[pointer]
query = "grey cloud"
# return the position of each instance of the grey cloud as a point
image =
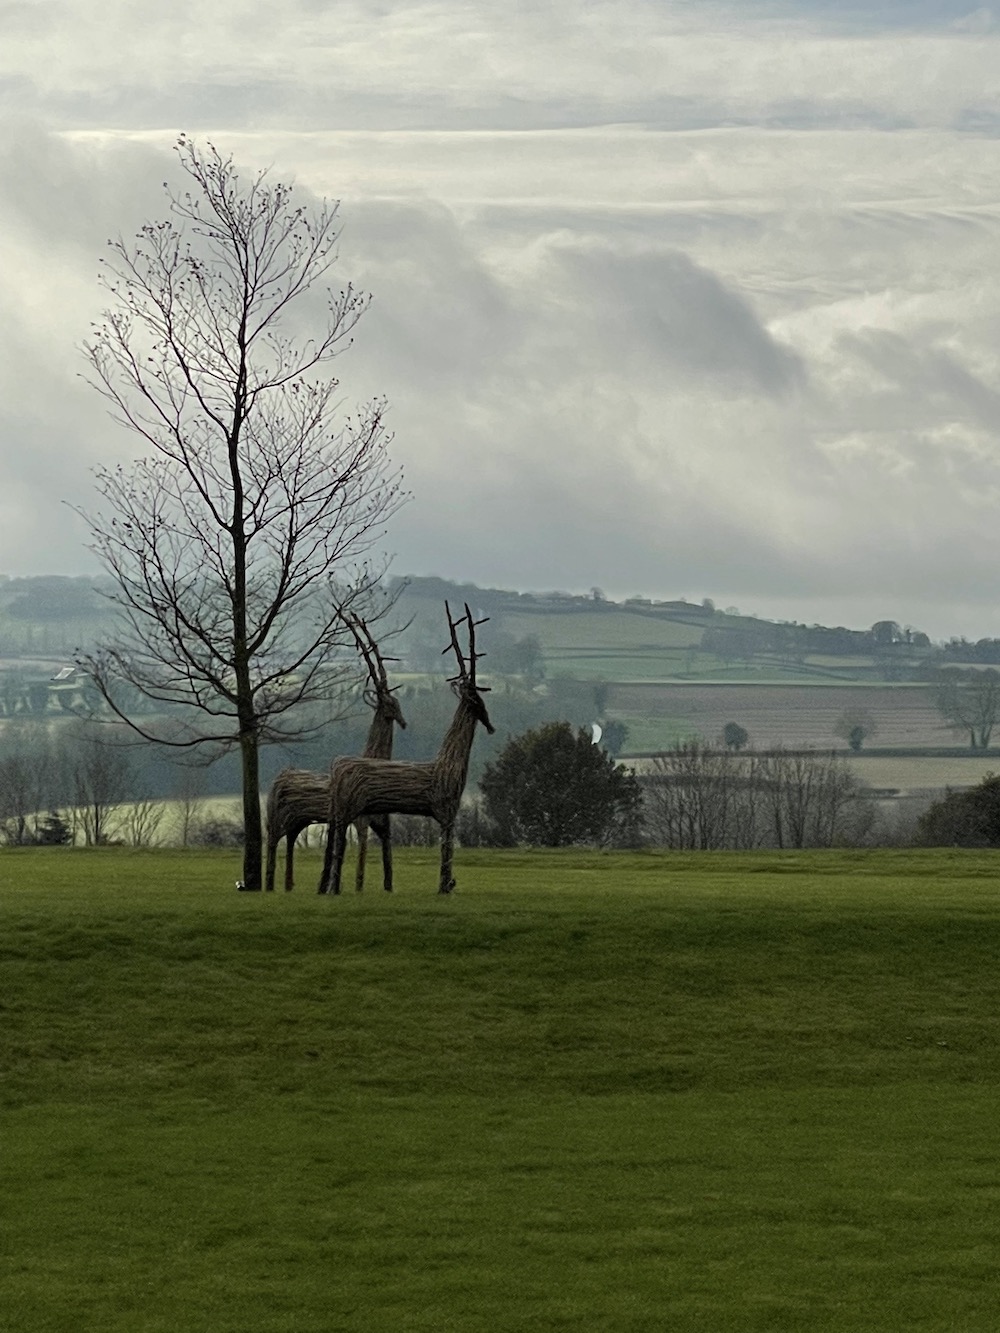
(60, 203)
(671, 314)
(740, 384)
(547, 444)
(439, 313)
(74, 194)
(948, 391)
(556, 513)
(356, 65)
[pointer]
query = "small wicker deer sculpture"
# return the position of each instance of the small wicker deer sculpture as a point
(362, 787)
(299, 798)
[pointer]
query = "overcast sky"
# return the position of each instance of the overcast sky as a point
(675, 299)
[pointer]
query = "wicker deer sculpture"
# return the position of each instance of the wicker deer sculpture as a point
(374, 788)
(299, 798)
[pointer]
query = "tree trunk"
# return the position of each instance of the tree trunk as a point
(253, 845)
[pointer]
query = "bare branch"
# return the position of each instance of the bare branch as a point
(241, 536)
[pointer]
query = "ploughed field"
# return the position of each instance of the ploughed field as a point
(613, 1092)
(795, 716)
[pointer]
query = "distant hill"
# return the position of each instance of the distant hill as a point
(591, 637)
(585, 637)
(658, 672)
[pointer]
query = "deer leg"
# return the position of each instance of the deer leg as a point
(339, 848)
(293, 833)
(324, 879)
(361, 828)
(383, 828)
(272, 854)
(447, 851)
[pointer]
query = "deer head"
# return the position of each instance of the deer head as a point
(464, 684)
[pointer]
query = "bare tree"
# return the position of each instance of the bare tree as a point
(139, 821)
(254, 512)
(969, 701)
(702, 799)
(30, 780)
(806, 797)
(377, 787)
(855, 726)
(101, 775)
(189, 792)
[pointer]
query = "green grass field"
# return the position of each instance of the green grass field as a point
(602, 1092)
(629, 643)
(619, 631)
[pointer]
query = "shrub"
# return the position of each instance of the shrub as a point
(414, 831)
(474, 828)
(964, 818)
(855, 726)
(554, 788)
(735, 737)
(218, 833)
(53, 831)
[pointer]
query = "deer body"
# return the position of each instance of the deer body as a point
(368, 788)
(299, 798)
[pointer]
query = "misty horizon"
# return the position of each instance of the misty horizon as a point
(881, 610)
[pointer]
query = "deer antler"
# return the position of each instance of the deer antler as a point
(466, 667)
(452, 627)
(369, 650)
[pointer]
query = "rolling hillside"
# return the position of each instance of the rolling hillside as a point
(670, 671)
(642, 640)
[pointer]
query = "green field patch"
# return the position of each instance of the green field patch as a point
(619, 630)
(928, 772)
(613, 1091)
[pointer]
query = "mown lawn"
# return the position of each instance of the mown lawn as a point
(621, 1092)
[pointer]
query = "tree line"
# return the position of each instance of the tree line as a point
(87, 784)
(550, 786)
